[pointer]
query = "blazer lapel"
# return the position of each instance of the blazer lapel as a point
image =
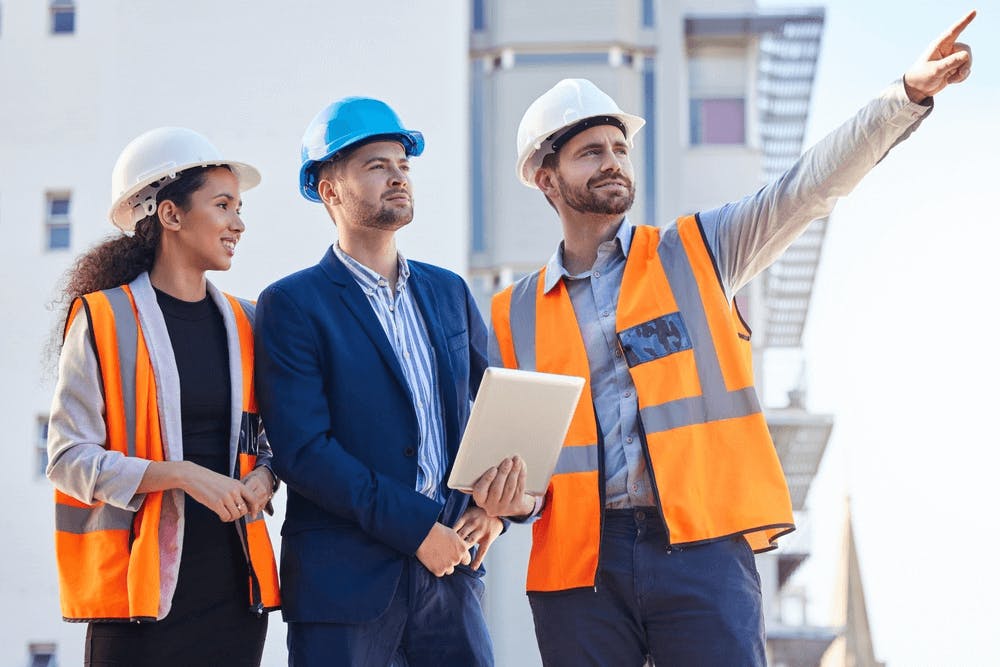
(357, 303)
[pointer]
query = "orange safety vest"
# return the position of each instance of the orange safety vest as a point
(714, 469)
(109, 558)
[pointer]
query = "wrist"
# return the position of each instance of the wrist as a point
(270, 479)
(913, 94)
(527, 505)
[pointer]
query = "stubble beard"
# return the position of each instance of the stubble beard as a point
(586, 200)
(378, 216)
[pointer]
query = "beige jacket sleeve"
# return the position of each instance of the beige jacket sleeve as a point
(79, 465)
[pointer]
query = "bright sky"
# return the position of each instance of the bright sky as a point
(900, 344)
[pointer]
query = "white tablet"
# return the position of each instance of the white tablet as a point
(517, 412)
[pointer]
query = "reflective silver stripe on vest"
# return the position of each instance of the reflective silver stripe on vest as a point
(699, 409)
(715, 402)
(582, 458)
(127, 335)
(522, 321)
(249, 310)
(80, 520)
(493, 348)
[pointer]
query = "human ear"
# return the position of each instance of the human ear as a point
(327, 191)
(169, 214)
(545, 181)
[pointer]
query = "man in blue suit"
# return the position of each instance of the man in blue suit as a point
(366, 366)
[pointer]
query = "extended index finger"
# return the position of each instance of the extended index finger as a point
(952, 34)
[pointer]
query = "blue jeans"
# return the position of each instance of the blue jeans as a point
(431, 622)
(698, 605)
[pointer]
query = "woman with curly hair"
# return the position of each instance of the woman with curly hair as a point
(155, 447)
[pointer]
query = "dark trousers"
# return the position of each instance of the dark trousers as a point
(699, 605)
(430, 622)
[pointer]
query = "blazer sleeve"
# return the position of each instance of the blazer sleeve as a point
(305, 455)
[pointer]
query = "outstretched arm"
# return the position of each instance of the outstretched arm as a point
(748, 235)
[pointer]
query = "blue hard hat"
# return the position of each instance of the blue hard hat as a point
(345, 123)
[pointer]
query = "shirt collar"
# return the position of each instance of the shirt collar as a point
(555, 271)
(365, 277)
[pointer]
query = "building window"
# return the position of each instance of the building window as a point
(477, 199)
(42, 654)
(717, 86)
(649, 137)
(63, 17)
(718, 121)
(57, 221)
(648, 14)
(41, 444)
(478, 15)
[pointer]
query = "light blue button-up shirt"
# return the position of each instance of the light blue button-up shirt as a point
(404, 326)
(594, 294)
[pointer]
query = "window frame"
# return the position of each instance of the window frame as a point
(59, 9)
(58, 222)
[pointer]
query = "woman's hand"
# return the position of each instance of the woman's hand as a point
(227, 497)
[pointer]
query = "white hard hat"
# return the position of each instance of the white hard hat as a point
(562, 106)
(156, 157)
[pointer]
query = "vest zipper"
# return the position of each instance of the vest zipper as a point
(652, 479)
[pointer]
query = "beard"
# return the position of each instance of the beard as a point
(381, 215)
(588, 200)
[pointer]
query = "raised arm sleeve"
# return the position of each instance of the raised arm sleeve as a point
(747, 236)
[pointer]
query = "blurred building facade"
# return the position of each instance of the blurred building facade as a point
(724, 86)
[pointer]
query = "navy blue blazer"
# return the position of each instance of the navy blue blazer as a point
(343, 431)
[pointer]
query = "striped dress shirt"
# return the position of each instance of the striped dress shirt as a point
(407, 333)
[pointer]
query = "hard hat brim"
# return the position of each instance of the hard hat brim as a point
(411, 140)
(121, 214)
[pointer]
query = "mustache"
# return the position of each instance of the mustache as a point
(621, 179)
(397, 191)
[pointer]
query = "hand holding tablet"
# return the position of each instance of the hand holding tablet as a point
(518, 423)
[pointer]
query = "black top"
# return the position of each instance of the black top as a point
(212, 554)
